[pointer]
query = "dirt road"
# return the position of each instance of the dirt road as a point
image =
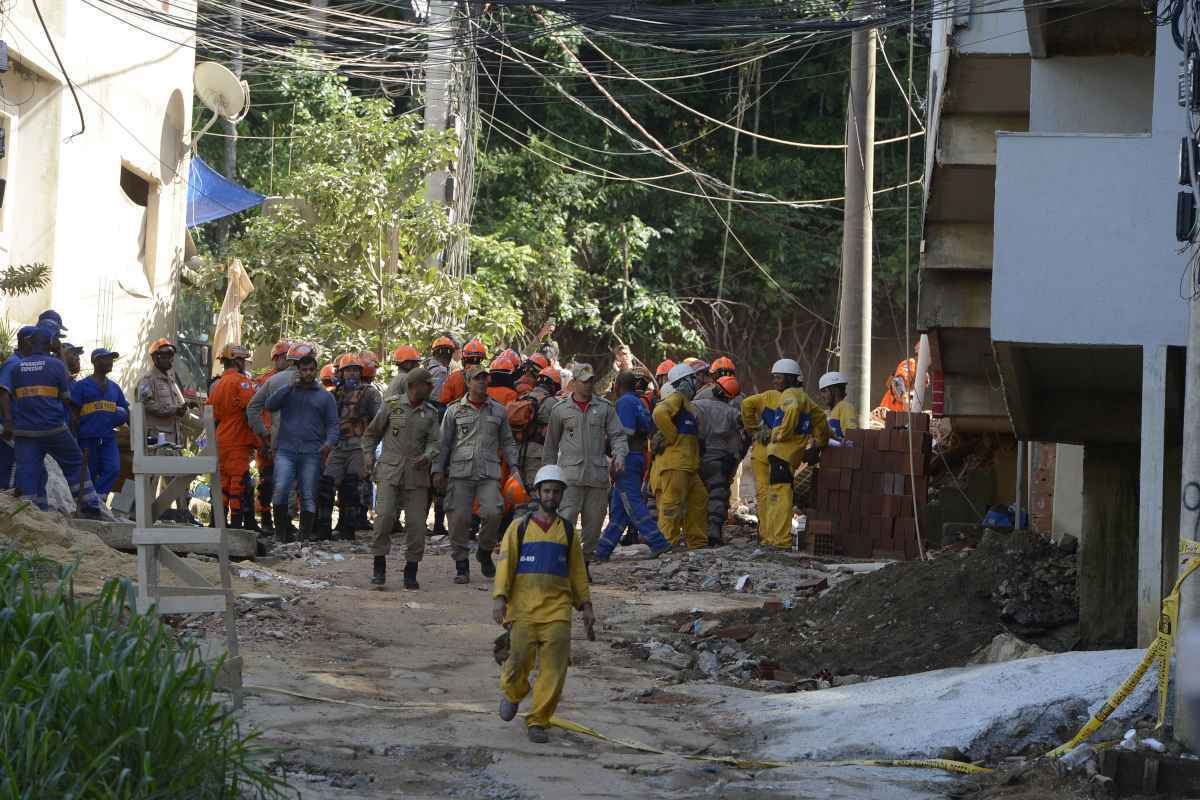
(432, 649)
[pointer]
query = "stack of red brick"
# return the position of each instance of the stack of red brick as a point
(864, 500)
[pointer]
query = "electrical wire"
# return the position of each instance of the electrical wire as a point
(63, 69)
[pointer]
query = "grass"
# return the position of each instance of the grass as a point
(97, 701)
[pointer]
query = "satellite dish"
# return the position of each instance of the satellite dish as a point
(222, 92)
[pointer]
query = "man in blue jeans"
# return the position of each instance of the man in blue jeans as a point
(34, 409)
(307, 432)
(627, 505)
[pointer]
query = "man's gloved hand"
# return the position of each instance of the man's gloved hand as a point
(763, 436)
(499, 610)
(658, 443)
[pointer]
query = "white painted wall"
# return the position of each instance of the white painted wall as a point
(994, 28)
(65, 205)
(1109, 94)
(1085, 249)
(1068, 490)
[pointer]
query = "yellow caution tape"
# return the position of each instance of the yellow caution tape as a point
(1188, 547)
(961, 767)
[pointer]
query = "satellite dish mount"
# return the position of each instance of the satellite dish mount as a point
(222, 92)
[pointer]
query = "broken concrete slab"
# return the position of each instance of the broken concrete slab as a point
(987, 711)
(1006, 647)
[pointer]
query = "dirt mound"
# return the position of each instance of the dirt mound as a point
(915, 616)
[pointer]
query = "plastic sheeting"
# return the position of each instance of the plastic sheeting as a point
(212, 195)
(229, 321)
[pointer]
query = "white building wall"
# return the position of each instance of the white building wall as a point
(1109, 94)
(114, 264)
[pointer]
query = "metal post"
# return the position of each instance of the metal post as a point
(855, 318)
(1187, 725)
(1020, 486)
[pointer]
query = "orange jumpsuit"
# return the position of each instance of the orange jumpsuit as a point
(502, 394)
(905, 372)
(235, 441)
(454, 388)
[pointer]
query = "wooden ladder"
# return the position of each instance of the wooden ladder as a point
(157, 542)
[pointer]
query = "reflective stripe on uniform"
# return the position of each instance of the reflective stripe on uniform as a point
(545, 558)
(97, 405)
(37, 391)
(771, 417)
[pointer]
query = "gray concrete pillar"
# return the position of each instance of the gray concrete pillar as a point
(1068, 490)
(1108, 553)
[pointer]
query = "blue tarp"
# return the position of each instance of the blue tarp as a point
(211, 195)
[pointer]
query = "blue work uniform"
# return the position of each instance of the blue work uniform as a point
(101, 409)
(627, 505)
(6, 449)
(36, 385)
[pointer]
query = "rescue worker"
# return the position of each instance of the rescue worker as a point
(541, 577)
(583, 429)
(262, 497)
(408, 427)
(682, 500)
(329, 377)
(627, 507)
(305, 431)
(801, 431)
(899, 386)
(70, 357)
(438, 363)
(406, 358)
(370, 365)
(102, 408)
(761, 413)
(24, 348)
(475, 433)
(532, 440)
(531, 368)
(662, 371)
(721, 367)
(725, 444)
(358, 402)
(35, 416)
(456, 383)
(366, 489)
(841, 414)
(229, 398)
(502, 380)
(158, 392)
(265, 424)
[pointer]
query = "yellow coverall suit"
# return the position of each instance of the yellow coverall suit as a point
(542, 576)
(842, 417)
(761, 411)
(675, 476)
(803, 424)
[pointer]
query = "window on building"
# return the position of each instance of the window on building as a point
(142, 193)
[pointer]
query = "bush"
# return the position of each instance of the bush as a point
(97, 701)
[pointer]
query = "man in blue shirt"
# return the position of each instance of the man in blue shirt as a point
(35, 417)
(305, 435)
(6, 450)
(627, 505)
(102, 407)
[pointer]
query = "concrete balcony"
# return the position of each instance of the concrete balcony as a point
(1085, 277)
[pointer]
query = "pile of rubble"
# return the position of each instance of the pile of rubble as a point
(1014, 595)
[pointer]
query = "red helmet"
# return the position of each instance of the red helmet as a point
(538, 360)
(474, 350)
(501, 364)
(299, 350)
(370, 364)
(723, 366)
(280, 349)
(348, 360)
(407, 352)
(552, 375)
(729, 385)
(512, 358)
(443, 342)
(514, 492)
(664, 368)
(327, 374)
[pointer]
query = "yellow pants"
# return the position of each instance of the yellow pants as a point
(550, 644)
(775, 515)
(683, 507)
(762, 477)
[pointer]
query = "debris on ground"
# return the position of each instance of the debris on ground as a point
(904, 618)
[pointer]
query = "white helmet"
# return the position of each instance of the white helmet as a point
(679, 372)
(550, 472)
(666, 391)
(787, 366)
(831, 379)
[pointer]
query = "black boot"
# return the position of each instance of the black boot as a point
(630, 537)
(235, 519)
(410, 575)
(284, 531)
(484, 557)
(267, 521)
(347, 509)
(439, 518)
(249, 523)
(380, 576)
(308, 520)
(462, 571)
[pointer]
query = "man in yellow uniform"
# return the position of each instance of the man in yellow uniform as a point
(841, 414)
(675, 476)
(540, 576)
(761, 412)
(788, 444)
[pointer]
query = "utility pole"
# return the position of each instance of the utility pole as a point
(855, 316)
(1187, 661)
(229, 167)
(440, 49)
